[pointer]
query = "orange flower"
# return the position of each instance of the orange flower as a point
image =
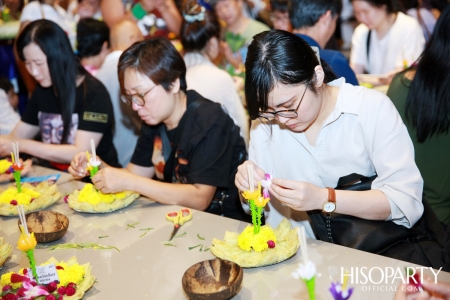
(26, 243)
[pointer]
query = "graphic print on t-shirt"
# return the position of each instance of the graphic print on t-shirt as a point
(52, 128)
(158, 157)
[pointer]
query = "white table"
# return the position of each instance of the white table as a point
(146, 269)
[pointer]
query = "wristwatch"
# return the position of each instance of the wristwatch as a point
(330, 206)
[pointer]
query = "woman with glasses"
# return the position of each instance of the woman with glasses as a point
(309, 131)
(189, 148)
(68, 107)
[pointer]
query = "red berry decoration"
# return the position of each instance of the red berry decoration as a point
(6, 288)
(70, 291)
(72, 284)
(10, 297)
(13, 202)
(52, 286)
(50, 297)
(59, 268)
(32, 199)
(62, 290)
(21, 292)
(271, 244)
(33, 283)
(66, 198)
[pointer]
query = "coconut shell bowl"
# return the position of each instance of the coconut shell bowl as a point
(48, 226)
(214, 279)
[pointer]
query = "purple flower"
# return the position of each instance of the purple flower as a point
(338, 293)
(34, 291)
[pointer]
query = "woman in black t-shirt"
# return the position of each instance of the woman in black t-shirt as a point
(68, 108)
(186, 139)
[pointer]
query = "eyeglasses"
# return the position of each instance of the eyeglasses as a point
(136, 98)
(285, 113)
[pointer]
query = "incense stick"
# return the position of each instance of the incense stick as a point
(250, 177)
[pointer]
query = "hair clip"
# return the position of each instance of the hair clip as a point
(197, 17)
(317, 53)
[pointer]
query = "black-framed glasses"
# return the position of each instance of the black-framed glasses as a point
(285, 113)
(136, 98)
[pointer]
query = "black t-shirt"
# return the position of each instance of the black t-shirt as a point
(209, 151)
(93, 112)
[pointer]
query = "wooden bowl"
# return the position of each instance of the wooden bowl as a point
(213, 279)
(47, 225)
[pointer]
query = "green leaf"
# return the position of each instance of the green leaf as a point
(193, 247)
(202, 238)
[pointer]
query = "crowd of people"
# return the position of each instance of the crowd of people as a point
(159, 86)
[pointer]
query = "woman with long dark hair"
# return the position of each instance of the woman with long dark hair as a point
(68, 108)
(189, 147)
(338, 152)
(422, 98)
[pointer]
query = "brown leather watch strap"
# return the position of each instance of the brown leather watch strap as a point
(331, 195)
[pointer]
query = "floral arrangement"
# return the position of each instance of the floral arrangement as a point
(31, 197)
(90, 200)
(6, 166)
(248, 240)
(306, 270)
(5, 251)
(74, 280)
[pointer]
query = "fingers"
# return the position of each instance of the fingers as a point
(241, 179)
(440, 288)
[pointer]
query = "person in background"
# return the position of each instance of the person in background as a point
(78, 10)
(154, 17)
(68, 108)
(239, 31)
(200, 36)
(49, 10)
(187, 143)
(421, 96)
(92, 43)
(315, 22)
(279, 15)
(11, 10)
(127, 126)
(426, 12)
(386, 41)
(9, 102)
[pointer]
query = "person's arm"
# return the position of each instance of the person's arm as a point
(113, 12)
(358, 54)
(112, 180)
(303, 196)
(60, 153)
(170, 14)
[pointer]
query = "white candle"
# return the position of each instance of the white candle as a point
(94, 156)
(250, 177)
(303, 246)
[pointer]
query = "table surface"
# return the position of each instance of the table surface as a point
(147, 269)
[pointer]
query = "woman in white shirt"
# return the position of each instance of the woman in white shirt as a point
(310, 130)
(200, 36)
(49, 10)
(395, 41)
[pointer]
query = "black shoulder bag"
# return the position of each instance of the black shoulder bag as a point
(423, 244)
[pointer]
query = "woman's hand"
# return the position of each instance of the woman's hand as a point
(78, 166)
(298, 195)
(112, 180)
(241, 178)
(5, 145)
(431, 291)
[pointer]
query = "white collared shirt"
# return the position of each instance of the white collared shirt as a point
(364, 135)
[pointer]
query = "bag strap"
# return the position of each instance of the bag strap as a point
(422, 23)
(42, 10)
(368, 47)
(168, 169)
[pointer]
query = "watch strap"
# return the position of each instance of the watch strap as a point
(331, 195)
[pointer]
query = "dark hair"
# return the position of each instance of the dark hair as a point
(62, 63)
(279, 5)
(91, 35)
(5, 84)
(156, 58)
(306, 13)
(278, 56)
(392, 6)
(428, 101)
(194, 35)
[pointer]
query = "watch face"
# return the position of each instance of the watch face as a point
(329, 207)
